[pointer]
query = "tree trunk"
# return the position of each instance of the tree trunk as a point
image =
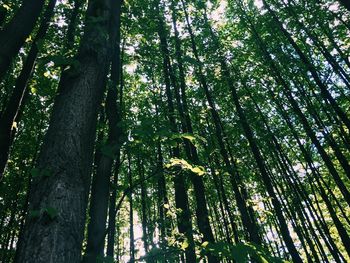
(255, 150)
(101, 181)
(55, 226)
(16, 31)
(131, 213)
(144, 217)
(112, 203)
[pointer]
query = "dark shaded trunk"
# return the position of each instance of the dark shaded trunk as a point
(73, 20)
(162, 199)
(144, 217)
(131, 213)
(112, 211)
(18, 96)
(3, 13)
(118, 115)
(101, 180)
(54, 229)
(16, 31)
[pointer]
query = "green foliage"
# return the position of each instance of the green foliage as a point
(240, 253)
(183, 164)
(234, 30)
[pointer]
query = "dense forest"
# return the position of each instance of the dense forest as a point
(174, 131)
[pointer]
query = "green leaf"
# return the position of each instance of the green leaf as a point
(51, 212)
(33, 90)
(183, 164)
(184, 244)
(188, 136)
(205, 244)
(199, 170)
(6, 7)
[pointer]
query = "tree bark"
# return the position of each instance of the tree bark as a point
(101, 181)
(55, 226)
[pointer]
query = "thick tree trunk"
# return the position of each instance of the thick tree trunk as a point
(15, 32)
(55, 226)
